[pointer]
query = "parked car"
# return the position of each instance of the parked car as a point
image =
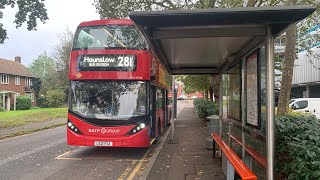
(309, 105)
(193, 97)
(182, 97)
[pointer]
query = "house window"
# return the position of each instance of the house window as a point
(17, 80)
(17, 94)
(31, 95)
(28, 82)
(4, 79)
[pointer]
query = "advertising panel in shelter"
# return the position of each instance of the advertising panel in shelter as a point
(252, 90)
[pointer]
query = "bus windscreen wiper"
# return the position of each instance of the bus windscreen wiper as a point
(114, 38)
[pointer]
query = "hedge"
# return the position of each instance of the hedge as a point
(297, 146)
(23, 103)
(56, 98)
(42, 102)
(205, 108)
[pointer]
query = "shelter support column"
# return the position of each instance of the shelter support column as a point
(220, 105)
(174, 106)
(270, 103)
(243, 104)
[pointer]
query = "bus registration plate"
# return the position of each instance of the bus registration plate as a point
(102, 143)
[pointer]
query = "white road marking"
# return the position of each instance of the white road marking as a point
(21, 155)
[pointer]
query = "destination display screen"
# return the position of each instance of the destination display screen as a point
(107, 62)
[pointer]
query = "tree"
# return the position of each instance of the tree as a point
(193, 83)
(122, 8)
(29, 11)
(36, 87)
(43, 68)
(288, 63)
(290, 55)
(62, 57)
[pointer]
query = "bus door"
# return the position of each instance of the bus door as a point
(160, 106)
(168, 112)
(164, 108)
(153, 110)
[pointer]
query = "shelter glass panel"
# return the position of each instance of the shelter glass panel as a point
(263, 105)
(235, 131)
(255, 138)
(233, 92)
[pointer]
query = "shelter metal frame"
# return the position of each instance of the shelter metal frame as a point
(212, 40)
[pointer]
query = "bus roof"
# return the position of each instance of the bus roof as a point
(106, 21)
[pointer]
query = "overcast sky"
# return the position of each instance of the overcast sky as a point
(62, 14)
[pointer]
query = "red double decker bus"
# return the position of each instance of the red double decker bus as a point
(118, 89)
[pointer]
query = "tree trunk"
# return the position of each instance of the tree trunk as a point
(211, 87)
(216, 88)
(205, 96)
(211, 93)
(287, 72)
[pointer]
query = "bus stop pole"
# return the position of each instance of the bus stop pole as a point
(270, 103)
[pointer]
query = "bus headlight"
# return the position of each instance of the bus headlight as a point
(73, 128)
(139, 127)
(142, 125)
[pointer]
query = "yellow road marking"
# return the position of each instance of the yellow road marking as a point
(136, 169)
(128, 169)
(60, 157)
(76, 159)
(153, 139)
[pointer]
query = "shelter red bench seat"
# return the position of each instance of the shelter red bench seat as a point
(239, 166)
(256, 156)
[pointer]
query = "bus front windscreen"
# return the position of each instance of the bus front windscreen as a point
(108, 100)
(109, 37)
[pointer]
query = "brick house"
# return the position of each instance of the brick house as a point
(15, 80)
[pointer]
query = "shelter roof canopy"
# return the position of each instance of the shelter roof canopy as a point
(204, 41)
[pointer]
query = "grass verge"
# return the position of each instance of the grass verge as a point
(11, 119)
(29, 131)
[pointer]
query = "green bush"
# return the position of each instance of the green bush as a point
(196, 101)
(205, 108)
(43, 102)
(297, 146)
(56, 98)
(23, 103)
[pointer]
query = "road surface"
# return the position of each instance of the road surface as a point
(45, 155)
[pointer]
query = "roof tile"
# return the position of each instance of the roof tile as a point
(14, 68)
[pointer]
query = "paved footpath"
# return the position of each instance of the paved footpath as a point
(186, 157)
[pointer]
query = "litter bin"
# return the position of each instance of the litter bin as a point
(212, 126)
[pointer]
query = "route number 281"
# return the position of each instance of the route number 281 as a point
(125, 61)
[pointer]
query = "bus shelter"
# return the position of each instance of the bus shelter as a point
(237, 44)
